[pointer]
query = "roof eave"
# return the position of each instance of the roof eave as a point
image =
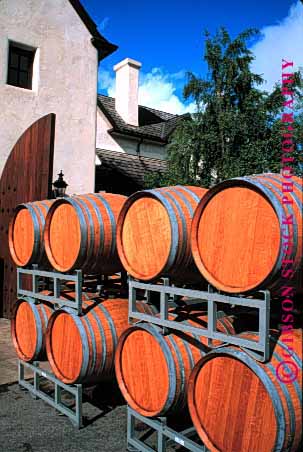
(147, 137)
(117, 130)
(104, 47)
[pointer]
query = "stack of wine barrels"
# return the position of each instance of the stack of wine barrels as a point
(237, 234)
(241, 236)
(68, 234)
(247, 236)
(153, 240)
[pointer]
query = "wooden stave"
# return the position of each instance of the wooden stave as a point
(176, 401)
(42, 312)
(91, 257)
(289, 433)
(270, 282)
(38, 215)
(184, 268)
(178, 227)
(88, 372)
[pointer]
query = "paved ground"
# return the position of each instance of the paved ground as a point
(29, 425)
(8, 359)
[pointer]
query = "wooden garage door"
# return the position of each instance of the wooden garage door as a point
(27, 176)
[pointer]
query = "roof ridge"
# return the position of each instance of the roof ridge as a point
(173, 115)
(158, 131)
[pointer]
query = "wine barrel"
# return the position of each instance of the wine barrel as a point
(81, 349)
(237, 234)
(152, 370)
(80, 232)
(25, 235)
(259, 410)
(28, 328)
(153, 233)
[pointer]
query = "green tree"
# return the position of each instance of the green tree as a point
(236, 129)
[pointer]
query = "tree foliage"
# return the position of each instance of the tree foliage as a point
(237, 128)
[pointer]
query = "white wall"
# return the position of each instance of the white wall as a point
(124, 144)
(65, 83)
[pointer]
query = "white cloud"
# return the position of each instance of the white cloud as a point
(157, 89)
(103, 24)
(283, 40)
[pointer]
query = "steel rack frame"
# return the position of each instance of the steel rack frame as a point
(57, 278)
(165, 435)
(259, 350)
(56, 402)
(76, 390)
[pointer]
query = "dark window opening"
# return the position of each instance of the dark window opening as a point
(20, 66)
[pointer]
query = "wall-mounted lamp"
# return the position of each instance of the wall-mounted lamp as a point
(60, 186)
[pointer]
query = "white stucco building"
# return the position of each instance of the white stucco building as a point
(49, 55)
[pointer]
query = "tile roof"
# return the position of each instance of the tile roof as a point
(131, 166)
(103, 46)
(154, 124)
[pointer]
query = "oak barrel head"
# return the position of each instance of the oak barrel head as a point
(21, 237)
(236, 236)
(237, 403)
(65, 347)
(25, 234)
(142, 372)
(146, 236)
(28, 328)
(242, 402)
(24, 331)
(153, 233)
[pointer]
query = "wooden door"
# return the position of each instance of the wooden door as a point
(27, 177)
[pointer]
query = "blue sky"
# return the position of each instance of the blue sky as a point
(167, 37)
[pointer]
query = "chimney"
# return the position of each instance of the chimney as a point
(127, 83)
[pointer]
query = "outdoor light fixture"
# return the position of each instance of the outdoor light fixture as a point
(60, 186)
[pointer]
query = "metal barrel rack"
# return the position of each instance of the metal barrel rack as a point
(75, 415)
(165, 435)
(259, 350)
(56, 280)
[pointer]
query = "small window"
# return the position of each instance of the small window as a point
(20, 66)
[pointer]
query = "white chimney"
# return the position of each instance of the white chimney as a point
(127, 84)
